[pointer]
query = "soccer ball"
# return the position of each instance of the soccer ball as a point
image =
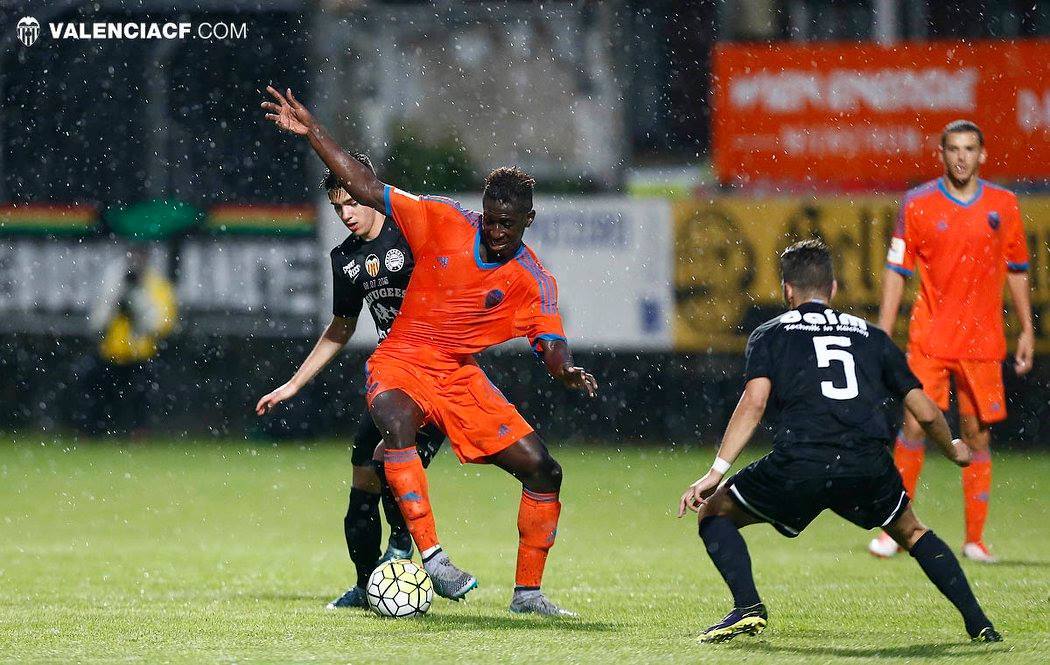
(399, 588)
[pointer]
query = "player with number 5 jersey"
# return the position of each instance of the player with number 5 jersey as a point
(829, 375)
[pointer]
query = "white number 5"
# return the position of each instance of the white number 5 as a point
(825, 355)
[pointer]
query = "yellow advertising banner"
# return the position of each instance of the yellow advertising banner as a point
(726, 273)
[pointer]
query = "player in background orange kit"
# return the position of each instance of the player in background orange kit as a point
(475, 285)
(966, 237)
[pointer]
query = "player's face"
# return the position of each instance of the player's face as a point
(502, 226)
(358, 218)
(962, 155)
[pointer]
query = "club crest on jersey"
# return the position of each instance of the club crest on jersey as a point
(493, 298)
(352, 270)
(394, 260)
(372, 265)
(993, 220)
(28, 29)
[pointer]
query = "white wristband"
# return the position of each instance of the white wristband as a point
(720, 466)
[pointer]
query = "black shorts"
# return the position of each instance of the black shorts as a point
(790, 494)
(428, 442)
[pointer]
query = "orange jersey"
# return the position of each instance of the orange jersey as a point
(963, 250)
(456, 303)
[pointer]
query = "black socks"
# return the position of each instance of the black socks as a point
(363, 531)
(728, 552)
(940, 565)
(399, 534)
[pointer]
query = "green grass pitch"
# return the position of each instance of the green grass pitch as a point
(207, 551)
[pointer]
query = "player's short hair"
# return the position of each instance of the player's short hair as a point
(331, 181)
(960, 127)
(510, 185)
(806, 265)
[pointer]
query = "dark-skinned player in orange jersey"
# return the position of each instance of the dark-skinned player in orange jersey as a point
(475, 285)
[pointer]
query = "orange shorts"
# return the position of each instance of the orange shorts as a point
(978, 384)
(455, 396)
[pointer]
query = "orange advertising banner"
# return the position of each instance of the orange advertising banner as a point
(864, 114)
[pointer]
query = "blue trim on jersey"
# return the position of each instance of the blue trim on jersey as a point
(472, 217)
(908, 196)
(900, 270)
(1016, 267)
(386, 201)
(965, 204)
(992, 185)
(548, 298)
(485, 265)
(550, 337)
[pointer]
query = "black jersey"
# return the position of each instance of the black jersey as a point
(832, 376)
(372, 273)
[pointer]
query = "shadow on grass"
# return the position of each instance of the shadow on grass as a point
(530, 623)
(897, 652)
(443, 622)
(1018, 563)
(319, 600)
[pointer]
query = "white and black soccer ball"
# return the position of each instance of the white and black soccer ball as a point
(399, 588)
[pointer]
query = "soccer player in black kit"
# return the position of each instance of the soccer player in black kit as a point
(370, 268)
(830, 375)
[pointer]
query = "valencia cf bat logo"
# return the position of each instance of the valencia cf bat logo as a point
(372, 265)
(993, 220)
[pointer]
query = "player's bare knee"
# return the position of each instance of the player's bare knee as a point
(971, 429)
(717, 505)
(907, 539)
(540, 472)
(906, 529)
(551, 473)
(396, 420)
(365, 478)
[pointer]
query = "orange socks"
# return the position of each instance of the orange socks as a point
(977, 486)
(537, 526)
(908, 456)
(976, 480)
(406, 477)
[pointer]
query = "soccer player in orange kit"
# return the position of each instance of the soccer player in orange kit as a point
(475, 285)
(966, 236)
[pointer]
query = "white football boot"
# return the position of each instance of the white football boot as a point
(884, 547)
(979, 552)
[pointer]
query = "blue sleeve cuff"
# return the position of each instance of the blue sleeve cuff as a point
(550, 337)
(1017, 267)
(900, 270)
(386, 201)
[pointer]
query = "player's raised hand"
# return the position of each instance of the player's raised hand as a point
(287, 113)
(577, 378)
(274, 398)
(698, 493)
(1025, 353)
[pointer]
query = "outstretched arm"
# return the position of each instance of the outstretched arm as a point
(742, 424)
(291, 116)
(334, 338)
(936, 427)
(558, 360)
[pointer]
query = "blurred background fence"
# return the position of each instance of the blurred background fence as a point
(678, 146)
